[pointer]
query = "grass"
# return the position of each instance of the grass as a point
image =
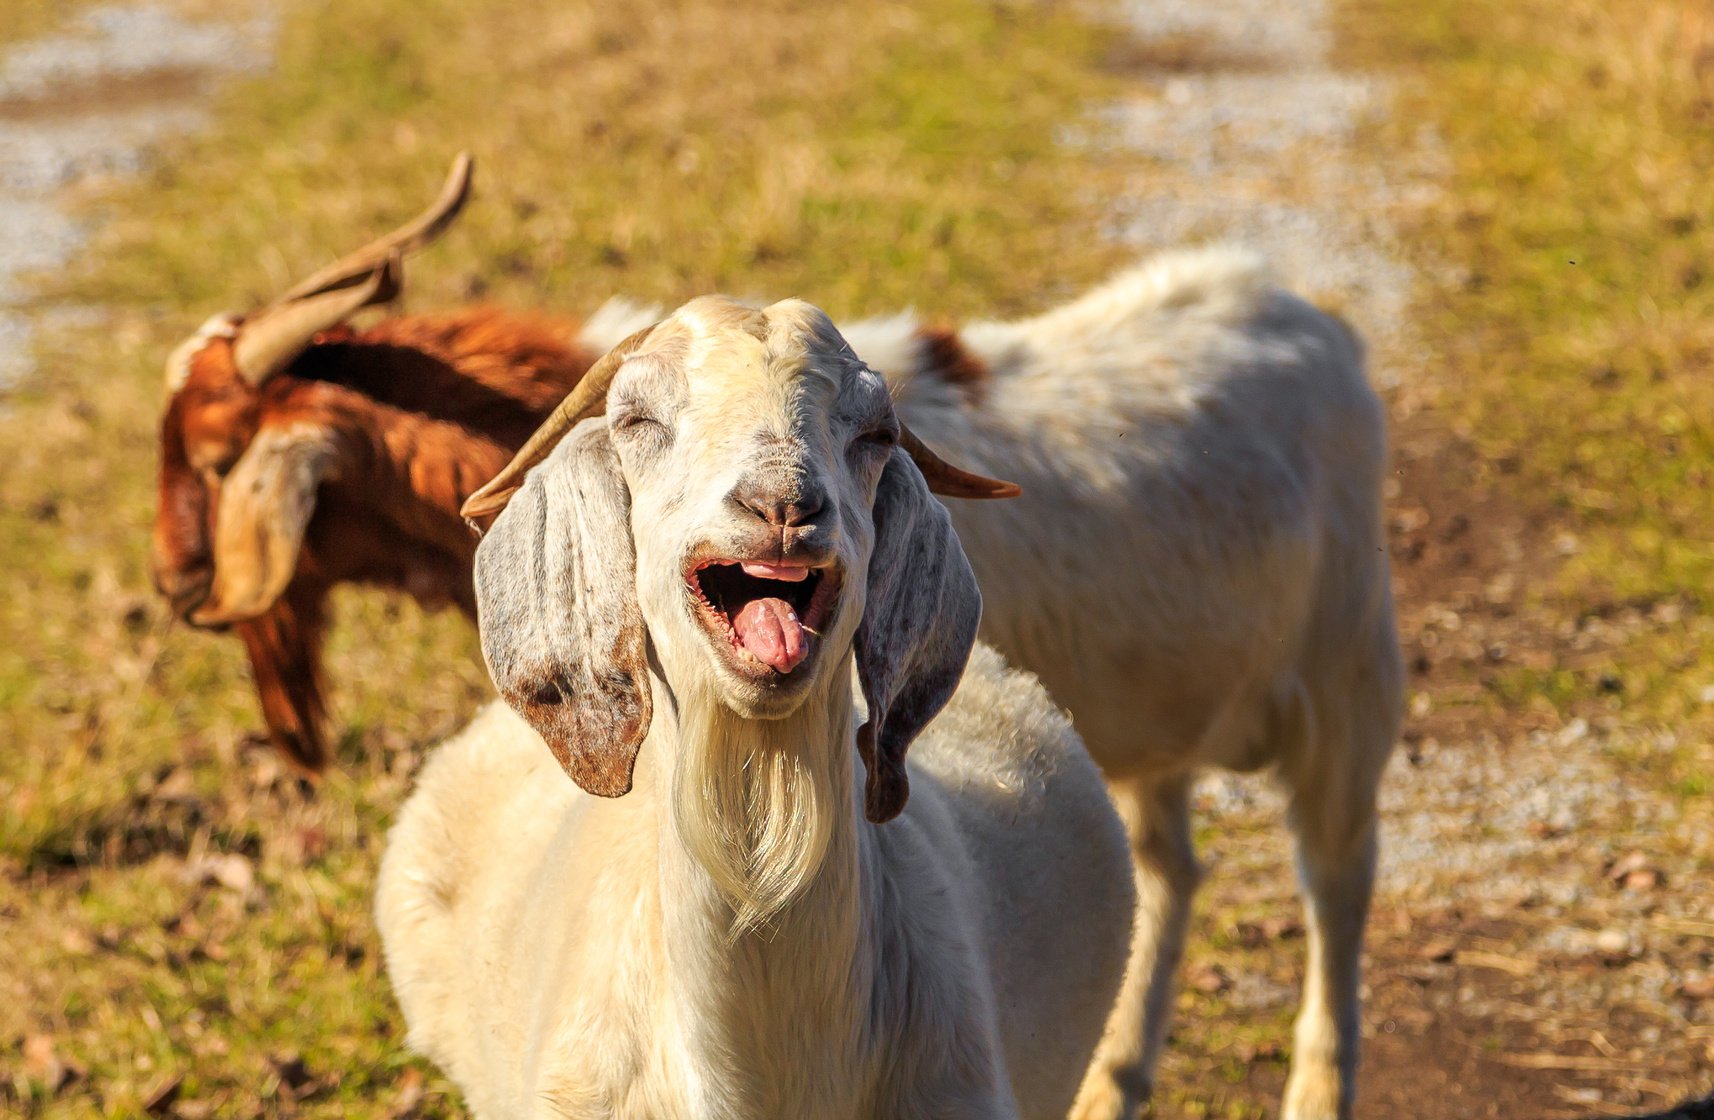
(186, 931)
(1574, 339)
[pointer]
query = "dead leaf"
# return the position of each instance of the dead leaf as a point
(298, 847)
(77, 941)
(1441, 949)
(1698, 985)
(43, 1065)
(162, 1097)
(231, 870)
(177, 786)
(294, 1075)
(1260, 1052)
(410, 1095)
(1633, 872)
(1517, 966)
(1208, 978)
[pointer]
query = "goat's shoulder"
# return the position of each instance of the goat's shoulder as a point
(462, 795)
(1001, 729)
(1011, 776)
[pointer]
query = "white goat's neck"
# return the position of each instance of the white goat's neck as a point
(767, 984)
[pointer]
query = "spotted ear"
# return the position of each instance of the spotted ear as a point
(919, 623)
(556, 598)
(266, 502)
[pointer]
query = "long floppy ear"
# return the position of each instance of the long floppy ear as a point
(556, 601)
(919, 623)
(265, 506)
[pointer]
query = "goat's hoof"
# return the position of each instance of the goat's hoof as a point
(1111, 1095)
(1314, 1095)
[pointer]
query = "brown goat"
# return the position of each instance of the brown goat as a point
(298, 454)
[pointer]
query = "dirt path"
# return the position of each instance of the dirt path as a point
(1541, 941)
(83, 105)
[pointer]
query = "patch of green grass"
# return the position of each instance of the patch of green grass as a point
(868, 156)
(1574, 334)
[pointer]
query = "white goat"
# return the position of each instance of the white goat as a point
(1197, 571)
(674, 600)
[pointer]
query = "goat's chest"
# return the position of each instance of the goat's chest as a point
(679, 1074)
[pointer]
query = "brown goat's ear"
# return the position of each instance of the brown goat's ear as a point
(284, 644)
(556, 598)
(919, 624)
(265, 506)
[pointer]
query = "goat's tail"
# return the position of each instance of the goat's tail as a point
(285, 659)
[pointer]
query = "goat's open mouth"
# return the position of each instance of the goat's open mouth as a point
(770, 614)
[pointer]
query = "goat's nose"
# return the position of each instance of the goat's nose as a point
(781, 507)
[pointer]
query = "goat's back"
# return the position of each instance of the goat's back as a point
(1197, 549)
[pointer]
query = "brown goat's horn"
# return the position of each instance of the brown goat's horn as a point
(269, 342)
(408, 238)
(588, 398)
(945, 479)
(271, 338)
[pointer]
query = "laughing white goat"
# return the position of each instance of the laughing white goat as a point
(675, 599)
(1196, 570)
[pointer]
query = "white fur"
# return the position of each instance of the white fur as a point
(562, 955)
(1197, 571)
(614, 321)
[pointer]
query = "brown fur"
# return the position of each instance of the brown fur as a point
(423, 409)
(945, 357)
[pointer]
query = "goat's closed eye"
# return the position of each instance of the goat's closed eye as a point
(883, 435)
(629, 423)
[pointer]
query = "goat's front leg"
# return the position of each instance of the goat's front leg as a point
(1336, 861)
(1157, 816)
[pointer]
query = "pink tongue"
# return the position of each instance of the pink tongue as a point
(770, 630)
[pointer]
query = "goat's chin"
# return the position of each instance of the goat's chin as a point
(751, 689)
(776, 698)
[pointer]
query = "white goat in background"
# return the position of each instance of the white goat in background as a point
(674, 600)
(1197, 571)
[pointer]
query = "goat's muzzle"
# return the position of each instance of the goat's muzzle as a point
(185, 591)
(765, 617)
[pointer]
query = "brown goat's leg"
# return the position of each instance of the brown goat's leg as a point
(285, 659)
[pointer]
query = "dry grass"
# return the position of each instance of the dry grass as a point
(173, 907)
(1574, 338)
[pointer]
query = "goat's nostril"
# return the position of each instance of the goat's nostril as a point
(782, 511)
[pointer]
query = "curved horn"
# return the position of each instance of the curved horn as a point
(588, 398)
(947, 480)
(408, 238)
(269, 342)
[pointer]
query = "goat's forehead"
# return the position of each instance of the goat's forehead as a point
(789, 351)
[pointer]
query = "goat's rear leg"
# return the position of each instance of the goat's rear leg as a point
(1157, 816)
(1335, 832)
